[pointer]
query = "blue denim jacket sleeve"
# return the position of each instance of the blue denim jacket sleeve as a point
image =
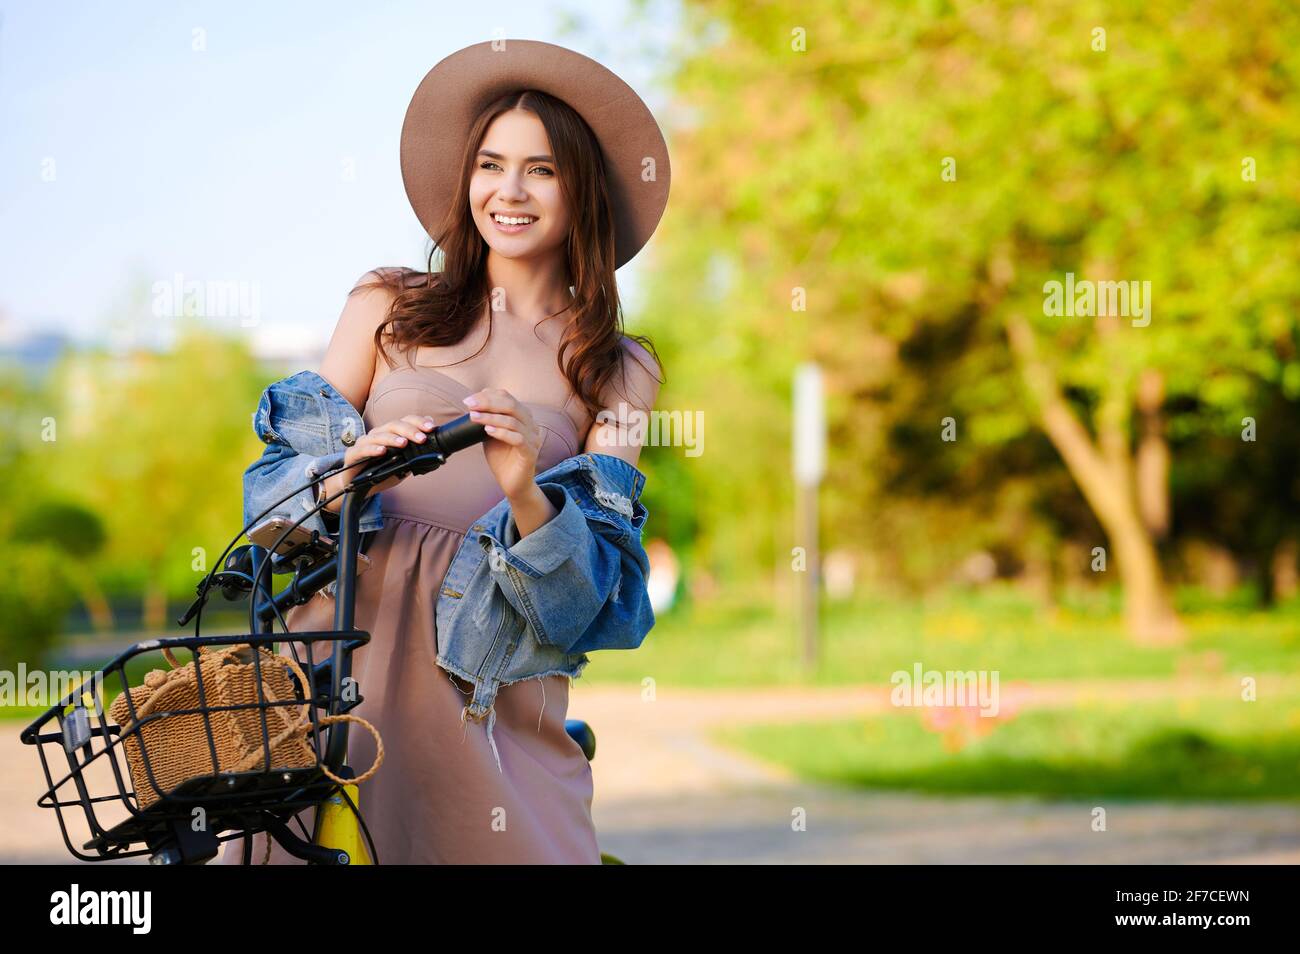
(580, 578)
(306, 424)
(278, 472)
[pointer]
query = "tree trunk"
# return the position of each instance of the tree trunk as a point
(1152, 463)
(1284, 569)
(1104, 474)
(155, 608)
(97, 608)
(1148, 611)
(1263, 572)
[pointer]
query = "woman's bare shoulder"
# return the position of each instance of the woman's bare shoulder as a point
(352, 360)
(639, 351)
(644, 374)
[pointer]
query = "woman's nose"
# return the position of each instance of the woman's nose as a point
(513, 187)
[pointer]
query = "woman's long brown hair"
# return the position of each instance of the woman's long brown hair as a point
(440, 308)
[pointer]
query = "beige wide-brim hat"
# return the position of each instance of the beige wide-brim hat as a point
(456, 90)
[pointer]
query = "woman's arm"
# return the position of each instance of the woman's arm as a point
(607, 434)
(351, 361)
(535, 509)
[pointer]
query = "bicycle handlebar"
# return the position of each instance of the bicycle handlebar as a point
(420, 458)
(412, 459)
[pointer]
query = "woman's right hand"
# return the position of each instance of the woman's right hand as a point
(375, 443)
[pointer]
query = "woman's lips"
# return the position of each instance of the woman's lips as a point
(510, 229)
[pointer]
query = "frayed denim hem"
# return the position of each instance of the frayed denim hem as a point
(482, 704)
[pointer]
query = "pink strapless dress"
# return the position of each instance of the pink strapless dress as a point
(439, 797)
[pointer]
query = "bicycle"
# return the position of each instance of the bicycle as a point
(241, 804)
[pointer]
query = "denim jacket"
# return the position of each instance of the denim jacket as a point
(308, 427)
(509, 609)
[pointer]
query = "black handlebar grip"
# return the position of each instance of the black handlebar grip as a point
(457, 435)
(423, 456)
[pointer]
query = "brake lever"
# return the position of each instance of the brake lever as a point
(231, 580)
(416, 459)
(400, 462)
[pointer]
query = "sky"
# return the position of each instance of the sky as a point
(251, 148)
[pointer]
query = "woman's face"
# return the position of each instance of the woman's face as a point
(515, 176)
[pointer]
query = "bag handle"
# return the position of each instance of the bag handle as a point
(148, 705)
(293, 728)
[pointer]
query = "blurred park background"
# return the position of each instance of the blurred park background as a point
(1104, 510)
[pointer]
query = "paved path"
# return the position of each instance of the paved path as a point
(664, 793)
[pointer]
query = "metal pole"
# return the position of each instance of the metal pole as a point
(806, 521)
(809, 446)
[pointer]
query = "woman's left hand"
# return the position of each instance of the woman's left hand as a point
(513, 439)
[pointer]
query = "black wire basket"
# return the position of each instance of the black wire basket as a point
(87, 759)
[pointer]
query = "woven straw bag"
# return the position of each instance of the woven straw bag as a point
(178, 744)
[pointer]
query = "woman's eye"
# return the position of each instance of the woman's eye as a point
(489, 162)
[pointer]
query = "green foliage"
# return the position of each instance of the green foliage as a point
(70, 527)
(155, 444)
(34, 596)
(822, 169)
(124, 467)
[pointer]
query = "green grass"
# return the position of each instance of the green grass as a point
(1180, 749)
(749, 644)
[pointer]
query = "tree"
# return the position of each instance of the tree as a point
(34, 598)
(156, 443)
(79, 535)
(936, 166)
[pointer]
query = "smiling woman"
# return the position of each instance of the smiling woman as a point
(511, 196)
(535, 240)
(509, 219)
(521, 324)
